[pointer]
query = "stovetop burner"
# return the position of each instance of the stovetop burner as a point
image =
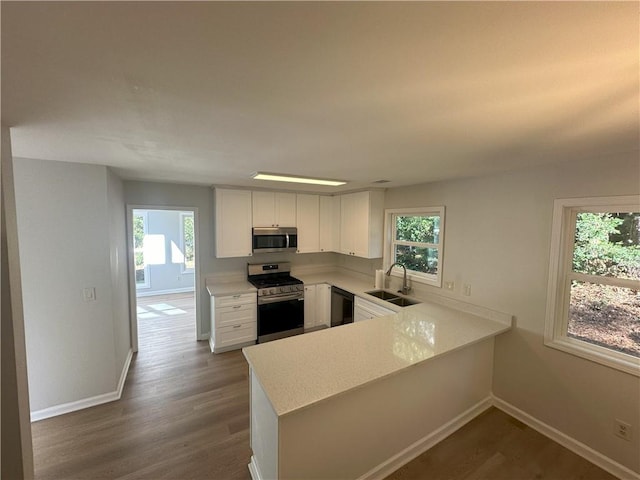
(273, 278)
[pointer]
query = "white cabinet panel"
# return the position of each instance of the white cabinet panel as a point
(308, 223)
(274, 209)
(329, 223)
(309, 306)
(233, 300)
(317, 305)
(228, 338)
(285, 208)
(264, 209)
(233, 223)
(233, 321)
(361, 222)
(364, 310)
(323, 304)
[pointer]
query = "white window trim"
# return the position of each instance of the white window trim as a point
(387, 260)
(145, 223)
(560, 270)
(182, 245)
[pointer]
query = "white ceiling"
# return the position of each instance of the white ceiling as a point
(209, 92)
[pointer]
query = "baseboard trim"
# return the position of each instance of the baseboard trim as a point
(392, 464)
(579, 448)
(86, 402)
(124, 372)
(253, 469)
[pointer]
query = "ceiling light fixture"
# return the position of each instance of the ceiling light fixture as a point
(278, 177)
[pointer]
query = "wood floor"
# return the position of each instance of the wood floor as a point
(184, 414)
(495, 446)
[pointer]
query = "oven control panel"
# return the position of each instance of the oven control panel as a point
(279, 290)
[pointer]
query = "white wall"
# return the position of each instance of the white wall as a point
(497, 240)
(70, 219)
(167, 276)
(119, 269)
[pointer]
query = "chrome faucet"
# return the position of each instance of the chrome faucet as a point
(405, 288)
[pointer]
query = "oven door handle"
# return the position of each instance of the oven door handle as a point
(287, 235)
(279, 298)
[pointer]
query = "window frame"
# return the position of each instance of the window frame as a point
(145, 227)
(186, 269)
(389, 243)
(561, 274)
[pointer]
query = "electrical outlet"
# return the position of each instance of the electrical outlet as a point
(89, 294)
(466, 290)
(622, 429)
(449, 285)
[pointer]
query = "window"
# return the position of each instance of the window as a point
(187, 239)
(414, 239)
(593, 306)
(139, 235)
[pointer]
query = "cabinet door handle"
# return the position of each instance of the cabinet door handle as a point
(237, 306)
(237, 326)
(236, 296)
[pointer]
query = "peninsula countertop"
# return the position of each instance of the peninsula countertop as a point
(297, 372)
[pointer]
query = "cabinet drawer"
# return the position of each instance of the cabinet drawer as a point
(235, 335)
(238, 299)
(365, 309)
(234, 315)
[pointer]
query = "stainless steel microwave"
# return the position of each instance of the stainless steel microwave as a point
(275, 239)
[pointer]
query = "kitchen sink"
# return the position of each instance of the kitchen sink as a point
(402, 302)
(392, 297)
(382, 294)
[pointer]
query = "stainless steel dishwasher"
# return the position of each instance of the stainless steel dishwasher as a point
(341, 307)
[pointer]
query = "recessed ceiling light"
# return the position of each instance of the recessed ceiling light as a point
(278, 177)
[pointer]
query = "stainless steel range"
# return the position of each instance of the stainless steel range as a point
(280, 300)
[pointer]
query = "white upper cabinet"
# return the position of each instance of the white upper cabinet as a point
(330, 224)
(361, 224)
(274, 209)
(233, 223)
(308, 223)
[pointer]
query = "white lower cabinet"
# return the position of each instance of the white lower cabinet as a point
(309, 306)
(233, 321)
(364, 310)
(317, 306)
(323, 304)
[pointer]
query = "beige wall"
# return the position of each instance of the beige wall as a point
(118, 260)
(76, 349)
(497, 239)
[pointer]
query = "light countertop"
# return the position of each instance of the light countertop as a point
(297, 372)
(231, 288)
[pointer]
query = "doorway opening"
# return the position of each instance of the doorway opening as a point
(165, 284)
